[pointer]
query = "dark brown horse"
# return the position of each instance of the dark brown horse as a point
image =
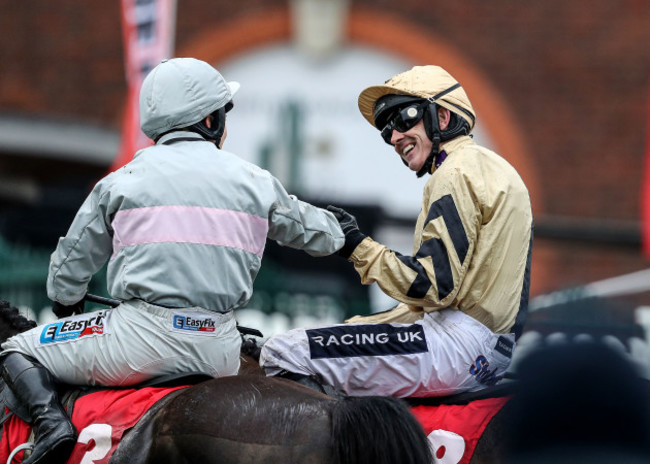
(255, 419)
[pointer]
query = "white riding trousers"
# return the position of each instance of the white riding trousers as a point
(133, 343)
(446, 352)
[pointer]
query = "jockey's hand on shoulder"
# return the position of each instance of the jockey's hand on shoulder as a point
(349, 226)
(64, 311)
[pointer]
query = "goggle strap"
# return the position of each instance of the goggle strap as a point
(443, 93)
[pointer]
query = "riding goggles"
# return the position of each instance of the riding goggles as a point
(403, 120)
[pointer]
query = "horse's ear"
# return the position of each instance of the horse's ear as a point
(250, 347)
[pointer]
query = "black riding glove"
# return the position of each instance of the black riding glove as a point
(353, 236)
(64, 311)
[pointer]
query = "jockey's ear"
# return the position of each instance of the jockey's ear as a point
(444, 116)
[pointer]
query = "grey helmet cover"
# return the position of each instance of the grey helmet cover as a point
(180, 92)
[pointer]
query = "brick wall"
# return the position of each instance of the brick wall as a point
(575, 75)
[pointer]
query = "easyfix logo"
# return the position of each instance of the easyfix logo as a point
(70, 329)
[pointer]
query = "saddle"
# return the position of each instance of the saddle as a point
(115, 410)
(69, 394)
(501, 390)
(453, 424)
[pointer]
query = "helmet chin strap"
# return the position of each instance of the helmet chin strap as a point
(215, 132)
(428, 164)
(432, 129)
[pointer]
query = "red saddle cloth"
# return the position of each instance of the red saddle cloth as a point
(101, 418)
(454, 430)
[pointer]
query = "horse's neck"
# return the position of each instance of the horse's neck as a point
(249, 366)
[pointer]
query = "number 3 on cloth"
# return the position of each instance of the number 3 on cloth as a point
(101, 435)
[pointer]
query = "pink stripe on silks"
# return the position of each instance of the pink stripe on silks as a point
(189, 224)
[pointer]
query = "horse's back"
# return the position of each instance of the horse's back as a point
(239, 419)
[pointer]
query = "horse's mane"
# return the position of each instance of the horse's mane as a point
(12, 322)
(360, 428)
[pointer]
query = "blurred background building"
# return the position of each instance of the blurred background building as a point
(560, 88)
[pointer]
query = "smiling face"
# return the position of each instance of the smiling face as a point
(413, 146)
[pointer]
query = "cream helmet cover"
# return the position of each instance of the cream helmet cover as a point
(429, 82)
